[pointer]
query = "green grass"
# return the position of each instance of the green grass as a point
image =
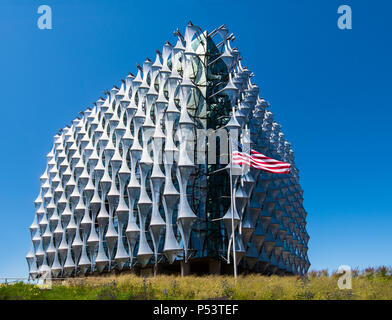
(369, 284)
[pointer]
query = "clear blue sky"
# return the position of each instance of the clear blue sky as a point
(330, 89)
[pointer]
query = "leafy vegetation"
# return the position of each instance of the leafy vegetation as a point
(369, 284)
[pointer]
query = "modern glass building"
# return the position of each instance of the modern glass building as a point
(131, 184)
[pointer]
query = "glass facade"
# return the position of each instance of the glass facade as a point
(131, 184)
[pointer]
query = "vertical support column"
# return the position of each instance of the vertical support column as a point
(185, 268)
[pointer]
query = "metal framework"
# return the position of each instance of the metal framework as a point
(123, 186)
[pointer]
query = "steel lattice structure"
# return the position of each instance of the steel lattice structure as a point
(123, 188)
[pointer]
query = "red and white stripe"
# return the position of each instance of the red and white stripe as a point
(260, 161)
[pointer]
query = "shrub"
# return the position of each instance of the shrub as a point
(317, 285)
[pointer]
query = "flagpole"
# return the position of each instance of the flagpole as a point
(232, 209)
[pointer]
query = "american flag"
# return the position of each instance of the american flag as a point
(244, 155)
